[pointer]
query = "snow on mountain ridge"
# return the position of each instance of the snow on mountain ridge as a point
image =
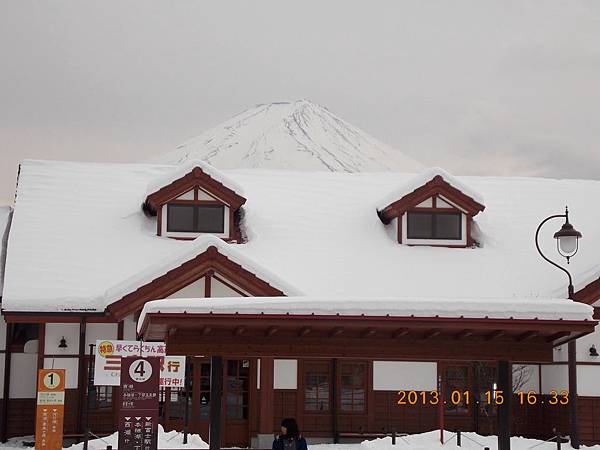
(298, 135)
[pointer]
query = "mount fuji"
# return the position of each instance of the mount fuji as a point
(298, 135)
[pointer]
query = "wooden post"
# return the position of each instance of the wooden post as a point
(574, 425)
(265, 420)
(334, 409)
(440, 389)
(504, 408)
(81, 377)
(216, 391)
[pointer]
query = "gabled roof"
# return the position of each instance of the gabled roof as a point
(420, 188)
(187, 176)
(185, 266)
(315, 230)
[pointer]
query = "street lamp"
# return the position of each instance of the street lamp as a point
(567, 244)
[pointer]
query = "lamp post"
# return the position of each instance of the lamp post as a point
(567, 244)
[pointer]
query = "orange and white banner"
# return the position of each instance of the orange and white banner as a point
(50, 410)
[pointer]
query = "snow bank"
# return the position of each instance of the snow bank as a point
(515, 308)
(420, 180)
(170, 439)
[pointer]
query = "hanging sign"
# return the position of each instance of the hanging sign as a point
(138, 403)
(107, 364)
(172, 371)
(50, 410)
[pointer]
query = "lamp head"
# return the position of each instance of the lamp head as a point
(567, 239)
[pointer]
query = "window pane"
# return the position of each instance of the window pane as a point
(180, 218)
(448, 226)
(211, 219)
(420, 225)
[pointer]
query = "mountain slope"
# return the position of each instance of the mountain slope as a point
(299, 136)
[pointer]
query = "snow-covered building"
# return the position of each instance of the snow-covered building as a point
(324, 293)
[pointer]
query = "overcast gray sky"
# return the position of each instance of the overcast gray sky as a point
(485, 87)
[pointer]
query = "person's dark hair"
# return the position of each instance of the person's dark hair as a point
(291, 426)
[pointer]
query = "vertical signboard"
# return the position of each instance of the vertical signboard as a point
(50, 410)
(138, 404)
(107, 361)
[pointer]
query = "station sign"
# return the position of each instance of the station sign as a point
(107, 364)
(138, 403)
(50, 409)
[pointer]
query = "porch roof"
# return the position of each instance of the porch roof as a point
(423, 328)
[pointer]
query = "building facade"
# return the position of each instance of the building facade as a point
(90, 246)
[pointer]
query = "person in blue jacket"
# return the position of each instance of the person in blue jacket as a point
(290, 438)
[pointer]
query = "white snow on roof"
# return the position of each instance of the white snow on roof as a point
(492, 308)
(182, 170)
(78, 229)
(182, 255)
(5, 213)
(419, 180)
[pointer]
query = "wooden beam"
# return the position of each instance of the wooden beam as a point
(239, 331)
(304, 331)
(400, 332)
(463, 334)
(556, 336)
(271, 331)
(431, 333)
(206, 331)
(336, 331)
(526, 336)
(368, 332)
(494, 335)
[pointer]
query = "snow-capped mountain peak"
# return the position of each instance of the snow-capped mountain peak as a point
(298, 135)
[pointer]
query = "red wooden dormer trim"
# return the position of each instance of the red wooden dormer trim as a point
(208, 263)
(194, 180)
(434, 187)
(589, 294)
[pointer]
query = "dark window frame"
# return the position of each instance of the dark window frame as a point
(433, 215)
(357, 404)
(197, 208)
(320, 371)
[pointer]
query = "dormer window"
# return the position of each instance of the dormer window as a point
(196, 200)
(195, 218)
(434, 209)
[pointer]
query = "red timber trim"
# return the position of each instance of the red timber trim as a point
(60, 317)
(196, 178)
(41, 345)
(188, 272)
(229, 285)
(312, 336)
(589, 294)
(436, 186)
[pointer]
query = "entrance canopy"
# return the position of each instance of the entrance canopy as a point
(423, 329)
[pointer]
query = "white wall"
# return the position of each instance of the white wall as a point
(23, 375)
(192, 290)
(554, 378)
(408, 375)
(95, 331)
(285, 374)
(2, 334)
(218, 289)
(588, 380)
(54, 333)
(129, 328)
(71, 369)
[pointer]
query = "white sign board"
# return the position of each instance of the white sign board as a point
(107, 368)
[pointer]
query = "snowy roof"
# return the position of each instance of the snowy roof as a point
(180, 171)
(188, 252)
(417, 181)
(496, 308)
(5, 213)
(79, 232)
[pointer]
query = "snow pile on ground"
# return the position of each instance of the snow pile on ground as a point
(431, 441)
(166, 439)
(298, 135)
